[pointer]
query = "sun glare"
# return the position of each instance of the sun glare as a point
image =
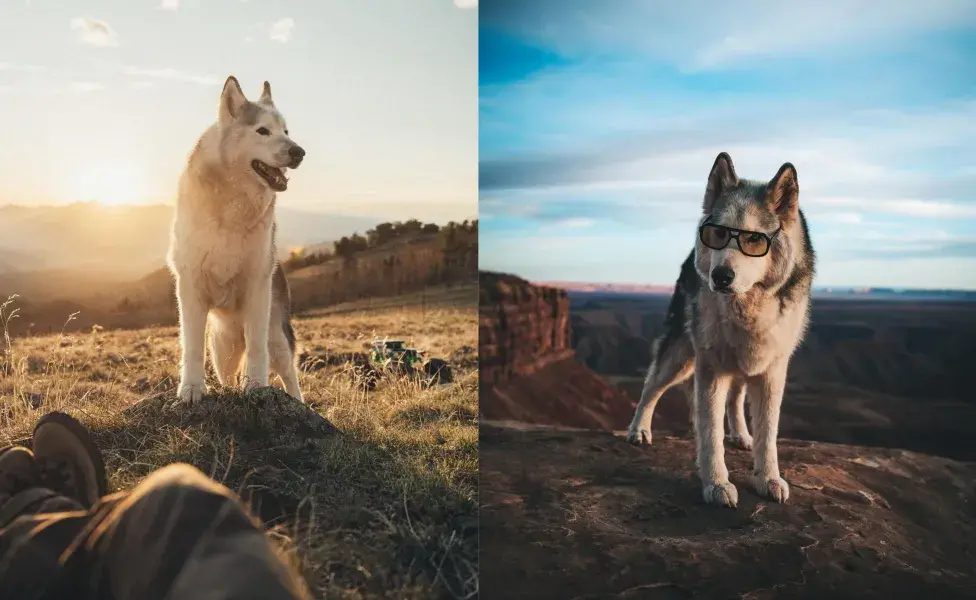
(110, 183)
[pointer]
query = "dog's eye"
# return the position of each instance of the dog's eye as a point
(286, 132)
(263, 131)
(755, 237)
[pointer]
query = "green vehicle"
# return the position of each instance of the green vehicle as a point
(395, 356)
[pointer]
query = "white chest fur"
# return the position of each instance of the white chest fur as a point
(747, 342)
(222, 263)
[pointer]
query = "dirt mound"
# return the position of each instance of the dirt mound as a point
(577, 514)
(268, 414)
(269, 427)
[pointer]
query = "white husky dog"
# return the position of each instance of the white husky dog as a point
(222, 248)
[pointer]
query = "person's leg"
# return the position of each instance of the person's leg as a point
(178, 534)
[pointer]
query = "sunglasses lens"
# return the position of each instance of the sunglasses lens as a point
(715, 237)
(753, 244)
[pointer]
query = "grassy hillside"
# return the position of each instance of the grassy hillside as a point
(386, 508)
(391, 259)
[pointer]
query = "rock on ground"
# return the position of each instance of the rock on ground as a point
(583, 514)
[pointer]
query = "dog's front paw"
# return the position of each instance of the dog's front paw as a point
(721, 494)
(742, 442)
(639, 437)
(190, 393)
(773, 488)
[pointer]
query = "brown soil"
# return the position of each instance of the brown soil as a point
(582, 514)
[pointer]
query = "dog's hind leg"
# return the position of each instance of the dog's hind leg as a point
(226, 340)
(282, 346)
(283, 362)
(735, 413)
(674, 362)
(687, 389)
(281, 351)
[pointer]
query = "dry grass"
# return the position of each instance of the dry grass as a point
(387, 508)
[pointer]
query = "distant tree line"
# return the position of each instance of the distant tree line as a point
(391, 259)
(383, 234)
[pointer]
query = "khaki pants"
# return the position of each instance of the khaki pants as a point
(177, 535)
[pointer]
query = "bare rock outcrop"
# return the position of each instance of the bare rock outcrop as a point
(583, 514)
(527, 367)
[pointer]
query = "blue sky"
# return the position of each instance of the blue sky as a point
(105, 98)
(599, 122)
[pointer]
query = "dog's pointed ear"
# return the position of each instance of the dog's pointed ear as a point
(266, 95)
(232, 100)
(783, 191)
(721, 178)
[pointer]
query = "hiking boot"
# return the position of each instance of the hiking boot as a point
(18, 483)
(17, 472)
(68, 462)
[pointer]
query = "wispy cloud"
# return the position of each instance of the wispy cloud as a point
(909, 207)
(281, 30)
(170, 74)
(843, 218)
(466, 3)
(654, 172)
(94, 32)
(572, 223)
(170, 5)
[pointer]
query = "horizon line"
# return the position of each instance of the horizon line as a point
(651, 288)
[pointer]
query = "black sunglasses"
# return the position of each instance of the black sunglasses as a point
(750, 243)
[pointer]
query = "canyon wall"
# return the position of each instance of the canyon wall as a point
(522, 327)
(527, 366)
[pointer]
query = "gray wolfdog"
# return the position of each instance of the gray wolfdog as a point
(222, 248)
(740, 309)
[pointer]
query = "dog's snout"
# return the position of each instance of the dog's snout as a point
(296, 153)
(723, 276)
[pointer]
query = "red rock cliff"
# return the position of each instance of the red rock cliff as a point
(522, 327)
(526, 361)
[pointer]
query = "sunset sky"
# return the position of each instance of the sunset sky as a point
(599, 123)
(104, 99)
